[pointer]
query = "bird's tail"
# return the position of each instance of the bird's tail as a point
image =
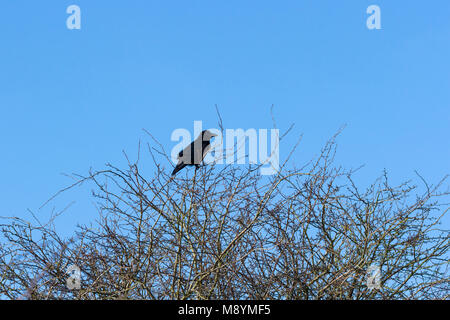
(178, 168)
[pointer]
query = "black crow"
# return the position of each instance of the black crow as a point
(194, 153)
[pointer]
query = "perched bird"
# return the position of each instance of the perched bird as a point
(194, 153)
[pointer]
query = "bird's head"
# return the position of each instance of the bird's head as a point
(207, 135)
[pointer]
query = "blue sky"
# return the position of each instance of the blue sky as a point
(74, 99)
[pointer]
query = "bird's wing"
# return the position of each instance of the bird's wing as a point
(186, 154)
(193, 153)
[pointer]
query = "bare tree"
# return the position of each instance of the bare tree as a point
(226, 232)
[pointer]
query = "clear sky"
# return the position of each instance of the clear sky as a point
(74, 99)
